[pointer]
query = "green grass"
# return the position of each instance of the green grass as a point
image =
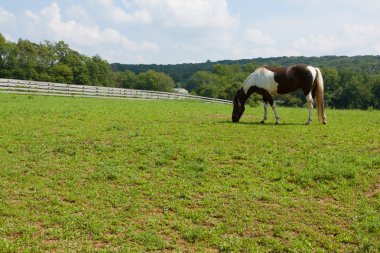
(134, 176)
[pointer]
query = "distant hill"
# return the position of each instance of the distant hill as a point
(181, 73)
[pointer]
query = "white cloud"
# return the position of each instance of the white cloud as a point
(356, 3)
(75, 33)
(318, 44)
(348, 40)
(265, 52)
(258, 37)
(5, 16)
(201, 14)
(206, 28)
(29, 14)
(80, 14)
(120, 15)
(361, 39)
(362, 33)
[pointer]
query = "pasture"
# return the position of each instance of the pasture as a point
(107, 175)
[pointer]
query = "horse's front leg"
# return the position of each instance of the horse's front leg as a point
(265, 112)
(276, 114)
(272, 104)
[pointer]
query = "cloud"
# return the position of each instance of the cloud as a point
(121, 15)
(200, 14)
(362, 33)
(347, 40)
(343, 3)
(80, 14)
(187, 31)
(5, 16)
(259, 38)
(50, 20)
(318, 44)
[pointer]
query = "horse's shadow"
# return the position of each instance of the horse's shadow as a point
(258, 123)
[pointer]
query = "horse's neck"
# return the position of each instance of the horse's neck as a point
(249, 82)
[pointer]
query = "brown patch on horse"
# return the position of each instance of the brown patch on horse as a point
(292, 78)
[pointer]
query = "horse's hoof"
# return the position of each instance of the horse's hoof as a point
(277, 123)
(324, 122)
(262, 122)
(307, 123)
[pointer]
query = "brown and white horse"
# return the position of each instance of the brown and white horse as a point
(268, 81)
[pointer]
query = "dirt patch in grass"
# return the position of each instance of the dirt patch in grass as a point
(374, 190)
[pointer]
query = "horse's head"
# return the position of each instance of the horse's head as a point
(239, 107)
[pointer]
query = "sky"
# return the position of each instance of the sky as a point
(192, 31)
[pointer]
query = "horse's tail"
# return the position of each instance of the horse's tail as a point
(319, 91)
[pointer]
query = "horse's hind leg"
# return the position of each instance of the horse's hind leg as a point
(310, 102)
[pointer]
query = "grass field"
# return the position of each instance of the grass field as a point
(175, 176)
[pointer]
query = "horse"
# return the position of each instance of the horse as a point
(270, 81)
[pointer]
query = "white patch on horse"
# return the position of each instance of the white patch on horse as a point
(309, 99)
(313, 71)
(261, 78)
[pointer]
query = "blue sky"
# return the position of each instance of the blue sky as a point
(183, 31)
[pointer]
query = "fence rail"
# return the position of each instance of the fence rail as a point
(72, 90)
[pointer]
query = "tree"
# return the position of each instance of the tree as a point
(355, 92)
(375, 90)
(222, 82)
(62, 50)
(100, 72)
(61, 73)
(225, 70)
(207, 84)
(153, 80)
(77, 62)
(3, 56)
(46, 59)
(250, 67)
(26, 60)
(126, 79)
(331, 80)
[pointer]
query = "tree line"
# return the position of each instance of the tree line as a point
(350, 82)
(57, 62)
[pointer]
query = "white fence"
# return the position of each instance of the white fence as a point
(71, 90)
